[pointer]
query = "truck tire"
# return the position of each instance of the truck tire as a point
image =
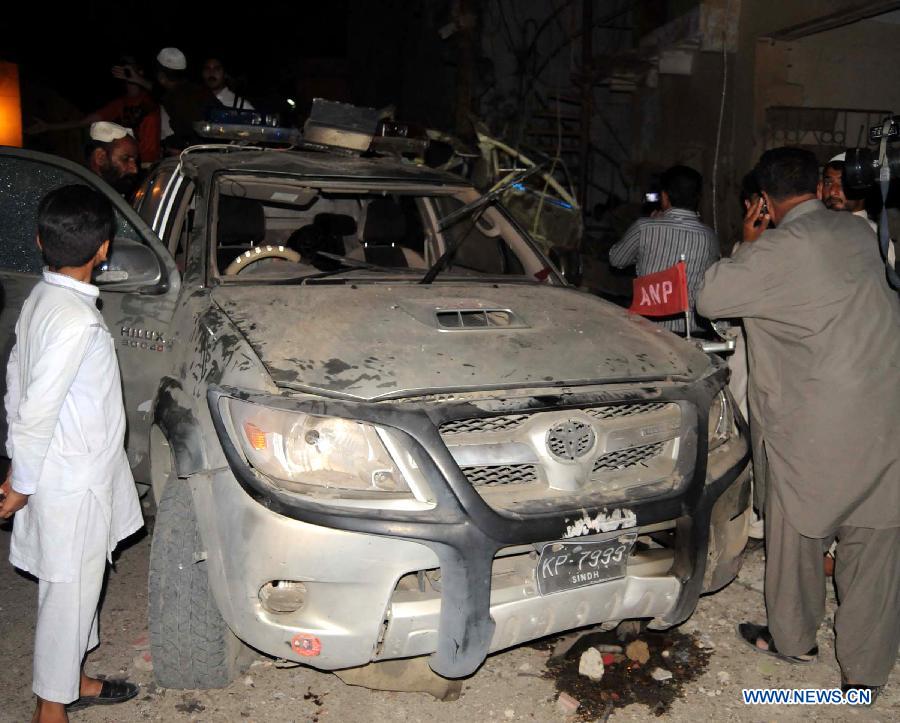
(190, 644)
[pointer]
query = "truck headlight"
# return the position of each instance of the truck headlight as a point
(721, 421)
(300, 449)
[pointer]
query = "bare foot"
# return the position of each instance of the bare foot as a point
(49, 712)
(89, 686)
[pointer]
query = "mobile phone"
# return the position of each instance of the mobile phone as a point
(651, 197)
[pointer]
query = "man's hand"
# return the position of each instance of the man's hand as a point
(756, 220)
(129, 74)
(11, 501)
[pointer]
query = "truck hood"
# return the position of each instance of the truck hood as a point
(373, 340)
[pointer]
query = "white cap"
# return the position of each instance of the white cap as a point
(172, 58)
(106, 132)
(839, 158)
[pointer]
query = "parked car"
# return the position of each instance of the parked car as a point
(351, 465)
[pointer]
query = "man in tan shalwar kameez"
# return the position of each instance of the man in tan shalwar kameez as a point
(823, 330)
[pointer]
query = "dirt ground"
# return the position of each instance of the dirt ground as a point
(511, 686)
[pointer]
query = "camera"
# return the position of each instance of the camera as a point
(864, 166)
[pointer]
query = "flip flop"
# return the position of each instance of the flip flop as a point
(875, 690)
(112, 692)
(750, 634)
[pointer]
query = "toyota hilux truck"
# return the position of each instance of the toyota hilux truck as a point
(378, 425)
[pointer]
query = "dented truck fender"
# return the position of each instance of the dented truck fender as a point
(173, 414)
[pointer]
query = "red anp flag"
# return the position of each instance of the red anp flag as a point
(664, 293)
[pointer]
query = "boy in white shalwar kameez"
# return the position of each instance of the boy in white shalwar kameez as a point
(70, 484)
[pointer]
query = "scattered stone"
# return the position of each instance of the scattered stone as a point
(723, 677)
(591, 664)
(711, 694)
(604, 648)
(278, 695)
(665, 653)
(525, 667)
(705, 642)
(567, 704)
(142, 662)
(638, 651)
(661, 674)
(509, 713)
(248, 681)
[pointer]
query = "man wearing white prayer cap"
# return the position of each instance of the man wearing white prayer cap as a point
(113, 155)
(184, 102)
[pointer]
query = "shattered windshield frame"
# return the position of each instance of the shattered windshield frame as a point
(270, 203)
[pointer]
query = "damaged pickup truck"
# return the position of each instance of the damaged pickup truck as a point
(378, 425)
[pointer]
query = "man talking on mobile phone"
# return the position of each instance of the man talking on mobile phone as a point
(824, 351)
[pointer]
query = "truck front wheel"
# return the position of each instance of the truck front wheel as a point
(190, 643)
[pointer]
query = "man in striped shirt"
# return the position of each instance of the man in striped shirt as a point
(657, 243)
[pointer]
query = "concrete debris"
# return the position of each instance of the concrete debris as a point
(705, 642)
(637, 650)
(604, 648)
(509, 713)
(661, 674)
(591, 664)
(248, 681)
(567, 704)
(723, 677)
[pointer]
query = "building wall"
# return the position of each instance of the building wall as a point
(849, 67)
(678, 118)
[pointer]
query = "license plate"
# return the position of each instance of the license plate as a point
(570, 565)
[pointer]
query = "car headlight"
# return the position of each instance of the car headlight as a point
(721, 421)
(298, 450)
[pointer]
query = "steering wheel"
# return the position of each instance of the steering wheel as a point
(258, 253)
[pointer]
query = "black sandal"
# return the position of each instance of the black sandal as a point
(751, 634)
(874, 690)
(111, 692)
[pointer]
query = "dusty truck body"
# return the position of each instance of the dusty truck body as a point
(352, 466)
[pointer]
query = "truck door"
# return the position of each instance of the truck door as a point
(138, 290)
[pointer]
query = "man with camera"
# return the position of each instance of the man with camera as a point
(657, 243)
(824, 359)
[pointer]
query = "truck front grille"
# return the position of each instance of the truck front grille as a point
(624, 458)
(531, 459)
(507, 422)
(481, 425)
(512, 474)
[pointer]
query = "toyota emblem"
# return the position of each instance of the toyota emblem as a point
(570, 440)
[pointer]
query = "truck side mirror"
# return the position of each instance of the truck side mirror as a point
(131, 265)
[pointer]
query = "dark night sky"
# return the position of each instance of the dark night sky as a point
(71, 47)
